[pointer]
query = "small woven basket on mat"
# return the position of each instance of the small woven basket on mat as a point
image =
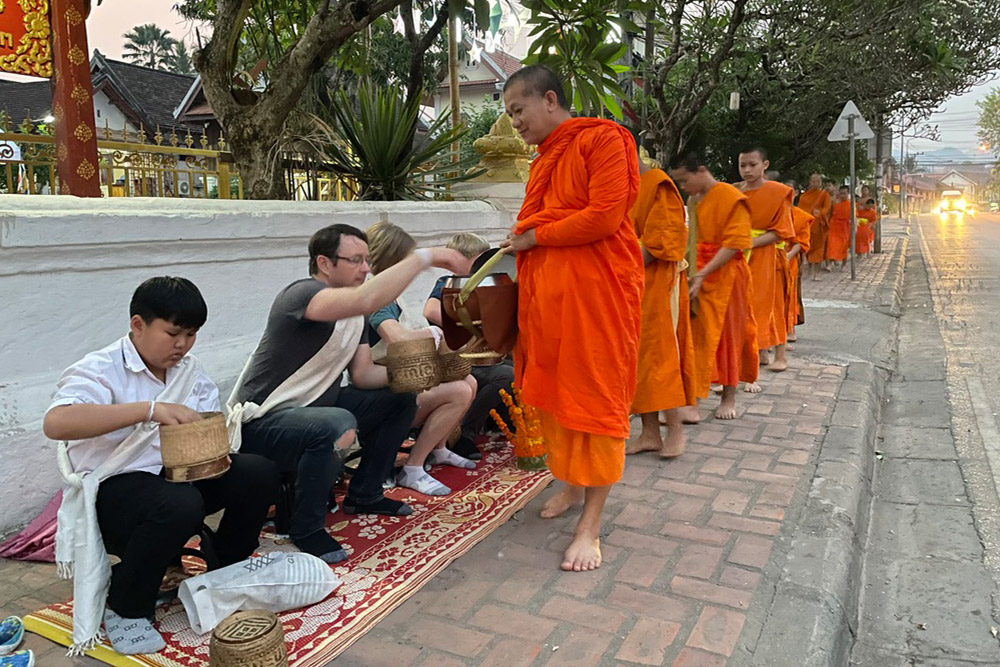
(413, 366)
(454, 366)
(248, 638)
(195, 451)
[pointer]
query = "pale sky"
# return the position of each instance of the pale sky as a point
(956, 119)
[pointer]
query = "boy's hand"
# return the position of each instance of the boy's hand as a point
(169, 414)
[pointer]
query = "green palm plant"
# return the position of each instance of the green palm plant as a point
(375, 143)
(148, 45)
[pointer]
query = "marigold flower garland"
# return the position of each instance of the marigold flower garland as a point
(529, 445)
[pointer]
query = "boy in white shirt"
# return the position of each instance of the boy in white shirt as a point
(110, 396)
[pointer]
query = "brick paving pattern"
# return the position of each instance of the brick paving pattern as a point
(871, 272)
(686, 547)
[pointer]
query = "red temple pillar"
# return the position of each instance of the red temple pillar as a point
(73, 101)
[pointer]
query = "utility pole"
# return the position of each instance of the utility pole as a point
(879, 179)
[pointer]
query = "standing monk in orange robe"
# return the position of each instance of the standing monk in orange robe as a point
(580, 278)
(816, 201)
(666, 378)
(771, 217)
(866, 232)
(722, 321)
(802, 222)
(838, 242)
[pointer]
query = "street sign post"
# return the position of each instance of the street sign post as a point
(850, 127)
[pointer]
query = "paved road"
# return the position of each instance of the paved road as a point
(933, 556)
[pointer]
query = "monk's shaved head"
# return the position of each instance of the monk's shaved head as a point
(755, 149)
(537, 81)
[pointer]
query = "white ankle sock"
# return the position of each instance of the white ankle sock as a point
(131, 636)
(416, 478)
(444, 456)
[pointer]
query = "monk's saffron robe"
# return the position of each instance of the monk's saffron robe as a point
(817, 203)
(838, 242)
(866, 231)
(722, 322)
(666, 378)
(802, 223)
(580, 297)
(770, 211)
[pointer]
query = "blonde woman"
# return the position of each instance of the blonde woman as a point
(439, 410)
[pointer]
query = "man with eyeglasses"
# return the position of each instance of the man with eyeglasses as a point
(289, 403)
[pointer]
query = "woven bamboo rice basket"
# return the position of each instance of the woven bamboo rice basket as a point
(195, 451)
(454, 366)
(248, 638)
(413, 366)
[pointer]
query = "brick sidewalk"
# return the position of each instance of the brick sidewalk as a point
(871, 271)
(686, 551)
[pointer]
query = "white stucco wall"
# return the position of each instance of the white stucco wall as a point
(68, 267)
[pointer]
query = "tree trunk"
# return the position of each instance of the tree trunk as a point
(254, 148)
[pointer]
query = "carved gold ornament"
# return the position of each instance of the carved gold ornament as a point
(26, 28)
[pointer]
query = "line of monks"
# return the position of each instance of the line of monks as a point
(723, 284)
(628, 306)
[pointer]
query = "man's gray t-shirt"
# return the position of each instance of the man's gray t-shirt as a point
(289, 341)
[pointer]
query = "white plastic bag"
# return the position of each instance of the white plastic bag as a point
(276, 582)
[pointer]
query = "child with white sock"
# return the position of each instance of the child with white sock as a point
(106, 412)
(440, 409)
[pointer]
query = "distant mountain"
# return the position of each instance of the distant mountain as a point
(948, 155)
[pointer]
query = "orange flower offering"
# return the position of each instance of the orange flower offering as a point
(529, 446)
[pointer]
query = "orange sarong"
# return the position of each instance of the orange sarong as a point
(817, 204)
(866, 232)
(802, 221)
(722, 322)
(666, 378)
(838, 242)
(580, 295)
(770, 211)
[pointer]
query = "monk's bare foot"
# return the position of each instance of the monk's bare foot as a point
(765, 357)
(717, 388)
(827, 268)
(780, 359)
(792, 337)
(727, 408)
(646, 442)
(790, 347)
(690, 414)
(582, 555)
(674, 443)
(558, 504)
(752, 388)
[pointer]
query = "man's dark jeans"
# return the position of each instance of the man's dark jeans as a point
(301, 440)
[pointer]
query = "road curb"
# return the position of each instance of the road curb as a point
(812, 619)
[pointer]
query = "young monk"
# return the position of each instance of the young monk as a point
(771, 216)
(802, 222)
(580, 278)
(722, 321)
(666, 380)
(839, 239)
(816, 201)
(867, 218)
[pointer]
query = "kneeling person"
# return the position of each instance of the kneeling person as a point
(108, 407)
(439, 409)
(289, 404)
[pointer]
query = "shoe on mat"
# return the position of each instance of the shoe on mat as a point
(18, 659)
(467, 448)
(11, 634)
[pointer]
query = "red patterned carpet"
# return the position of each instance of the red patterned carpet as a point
(390, 559)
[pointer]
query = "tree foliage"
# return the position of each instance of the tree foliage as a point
(149, 45)
(989, 121)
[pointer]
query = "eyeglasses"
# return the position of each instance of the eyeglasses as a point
(354, 261)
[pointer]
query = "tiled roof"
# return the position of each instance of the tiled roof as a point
(154, 93)
(19, 99)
